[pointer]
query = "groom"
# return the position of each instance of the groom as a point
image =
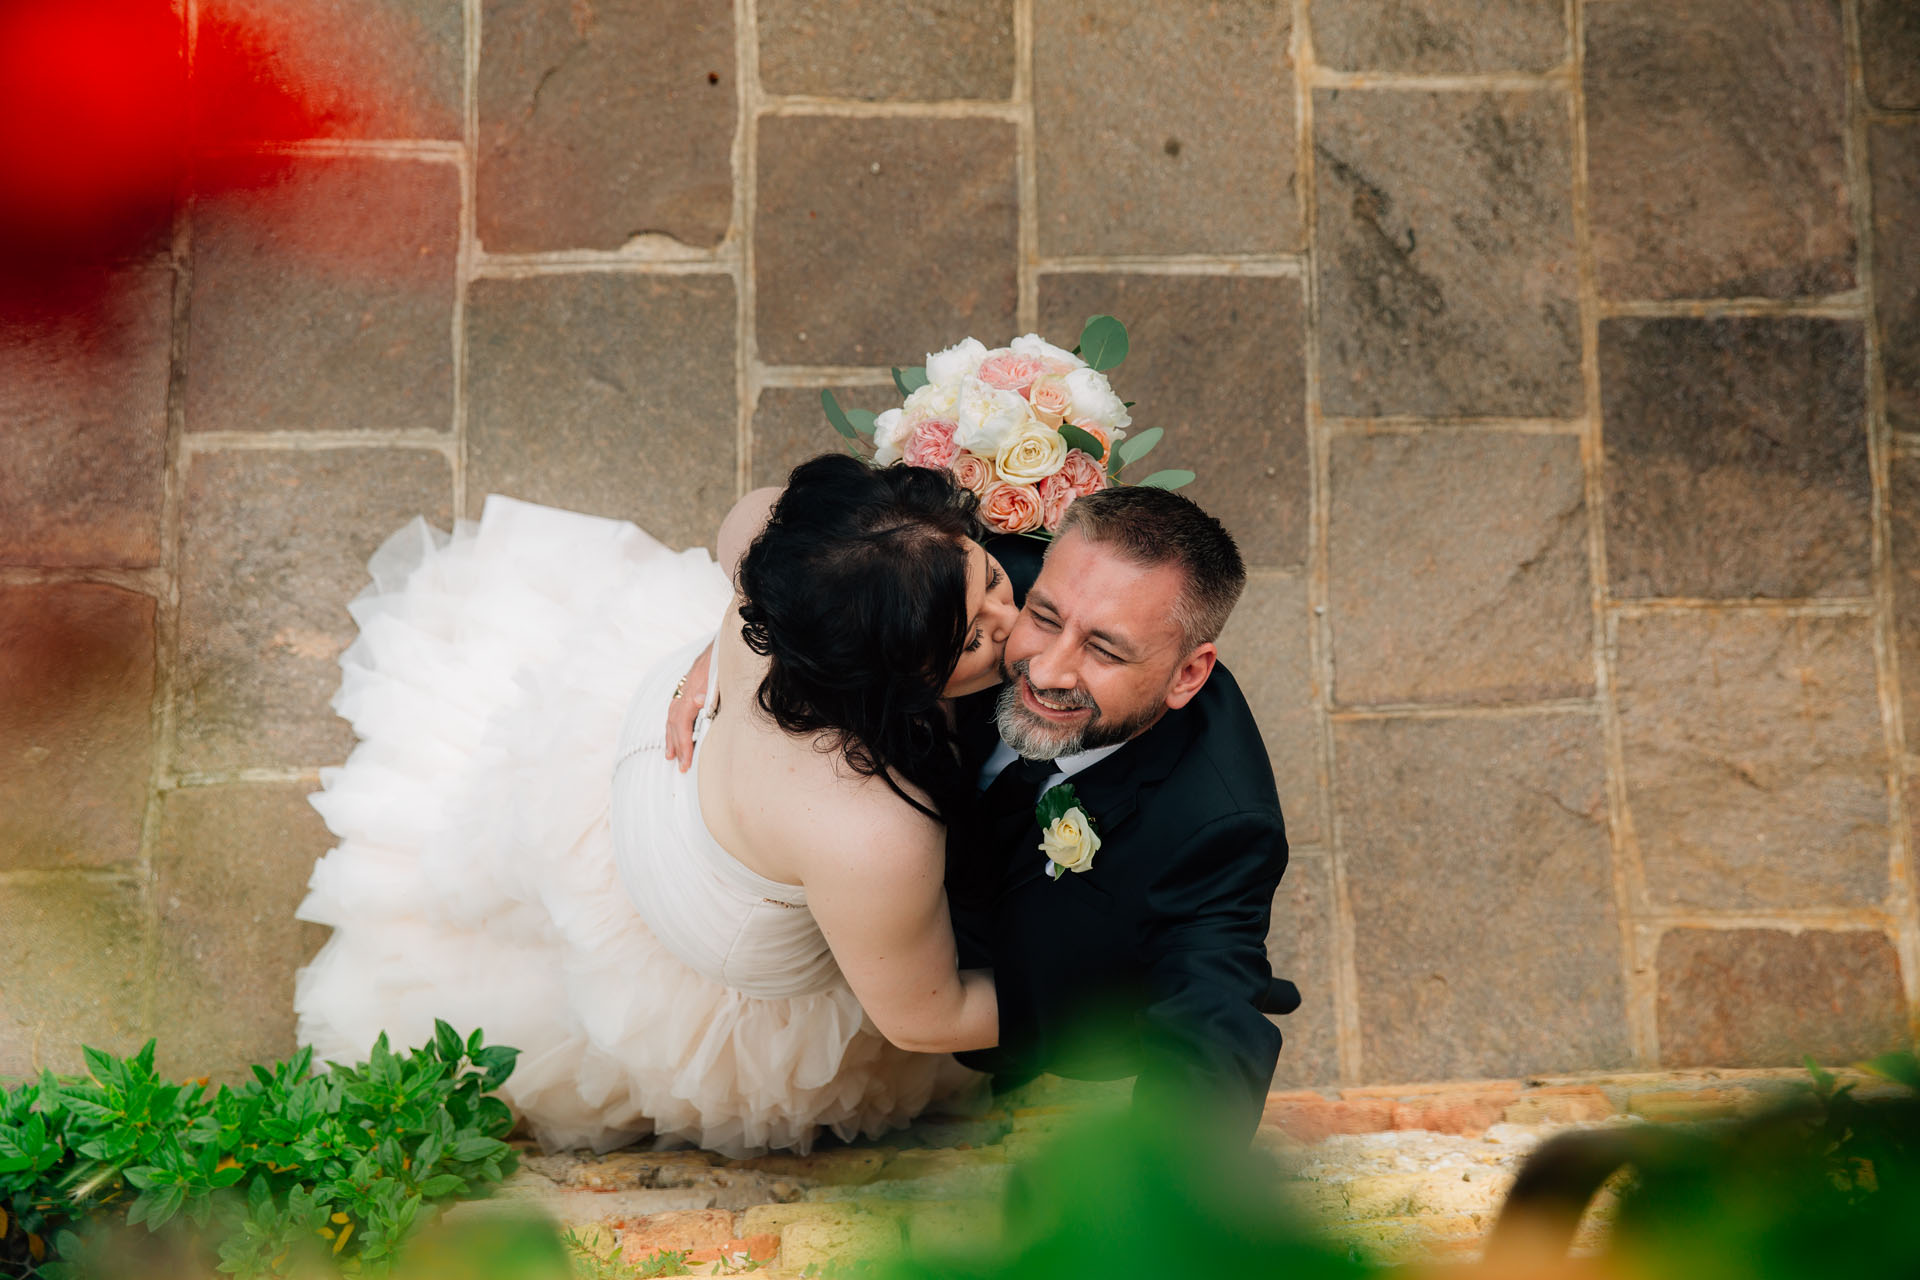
(1148, 958)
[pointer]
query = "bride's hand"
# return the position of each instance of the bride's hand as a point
(685, 707)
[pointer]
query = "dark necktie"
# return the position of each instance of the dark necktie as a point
(1017, 787)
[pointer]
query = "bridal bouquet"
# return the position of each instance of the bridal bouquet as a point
(1027, 427)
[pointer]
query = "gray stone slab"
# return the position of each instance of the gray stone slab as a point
(1446, 268)
(1716, 152)
(1268, 647)
(1478, 865)
(1300, 947)
(837, 282)
(1460, 570)
(1440, 36)
(83, 428)
(276, 545)
(325, 301)
(902, 50)
(1219, 362)
(611, 394)
(370, 68)
(1165, 128)
(789, 426)
(1894, 152)
(1890, 52)
(1736, 457)
(602, 122)
(1756, 769)
(1770, 998)
(230, 865)
(1903, 516)
(76, 704)
(71, 973)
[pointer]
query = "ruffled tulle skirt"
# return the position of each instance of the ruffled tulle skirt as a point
(474, 879)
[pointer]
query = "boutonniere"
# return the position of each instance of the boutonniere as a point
(1067, 836)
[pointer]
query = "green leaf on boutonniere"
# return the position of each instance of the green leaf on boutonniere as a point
(1055, 804)
(1084, 441)
(909, 380)
(1103, 343)
(836, 415)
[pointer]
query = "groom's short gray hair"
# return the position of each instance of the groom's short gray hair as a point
(1156, 527)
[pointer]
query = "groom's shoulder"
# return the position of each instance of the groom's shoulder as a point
(1221, 766)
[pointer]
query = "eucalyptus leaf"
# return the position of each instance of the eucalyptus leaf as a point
(1136, 447)
(836, 415)
(1167, 480)
(862, 420)
(1103, 342)
(1085, 441)
(910, 379)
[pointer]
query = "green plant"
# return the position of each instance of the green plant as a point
(342, 1163)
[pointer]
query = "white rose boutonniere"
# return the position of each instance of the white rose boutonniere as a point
(1067, 836)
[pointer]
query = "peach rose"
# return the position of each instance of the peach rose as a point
(1011, 508)
(1081, 474)
(1049, 400)
(1056, 495)
(931, 445)
(1101, 434)
(974, 473)
(1010, 371)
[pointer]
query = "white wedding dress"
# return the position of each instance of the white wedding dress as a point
(516, 854)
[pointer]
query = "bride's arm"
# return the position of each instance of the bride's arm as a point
(737, 532)
(875, 887)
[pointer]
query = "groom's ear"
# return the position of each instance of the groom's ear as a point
(1191, 675)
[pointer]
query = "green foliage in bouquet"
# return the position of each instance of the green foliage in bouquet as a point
(343, 1163)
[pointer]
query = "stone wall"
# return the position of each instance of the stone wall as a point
(1557, 363)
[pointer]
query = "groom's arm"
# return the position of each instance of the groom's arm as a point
(1207, 1045)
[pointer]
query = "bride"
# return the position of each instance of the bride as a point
(738, 956)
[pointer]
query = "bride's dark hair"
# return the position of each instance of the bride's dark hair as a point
(856, 593)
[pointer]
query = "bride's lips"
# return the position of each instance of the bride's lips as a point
(1031, 701)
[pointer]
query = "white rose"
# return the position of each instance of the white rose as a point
(946, 368)
(989, 419)
(1034, 454)
(932, 401)
(1094, 402)
(1070, 842)
(1032, 344)
(890, 432)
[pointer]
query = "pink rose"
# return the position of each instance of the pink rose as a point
(1011, 508)
(1050, 400)
(1010, 371)
(974, 473)
(1081, 474)
(1056, 495)
(931, 445)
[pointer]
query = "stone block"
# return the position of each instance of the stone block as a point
(789, 426)
(1219, 362)
(1695, 1106)
(599, 123)
(1165, 128)
(1903, 512)
(836, 1167)
(1890, 53)
(1479, 868)
(1560, 1104)
(1736, 457)
(1756, 767)
(774, 1219)
(370, 68)
(837, 283)
(1894, 154)
(72, 971)
(1716, 148)
(83, 429)
(916, 51)
(1268, 647)
(230, 865)
(1767, 997)
(945, 1229)
(611, 394)
(325, 300)
(1440, 36)
(1467, 1110)
(1459, 569)
(737, 1251)
(1447, 277)
(1309, 1117)
(820, 1242)
(76, 707)
(688, 1229)
(276, 544)
(1300, 946)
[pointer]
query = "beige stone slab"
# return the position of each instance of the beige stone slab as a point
(1440, 36)
(1300, 946)
(371, 68)
(1268, 647)
(789, 426)
(1756, 767)
(1893, 148)
(1890, 52)
(888, 50)
(71, 973)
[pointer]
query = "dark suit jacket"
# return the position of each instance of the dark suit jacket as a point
(1153, 961)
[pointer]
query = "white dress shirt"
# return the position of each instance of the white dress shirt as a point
(1063, 768)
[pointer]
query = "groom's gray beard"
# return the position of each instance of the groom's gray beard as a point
(1035, 739)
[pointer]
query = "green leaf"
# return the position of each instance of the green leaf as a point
(1055, 803)
(102, 1067)
(1167, 480)
(447, 1041)
(468, 1150)
(1901, 1068)
(442, 1185)
(862, 420)
(1103, 343)
(909, 380)
(836, 415)
(1136, 447)
(1085, 441)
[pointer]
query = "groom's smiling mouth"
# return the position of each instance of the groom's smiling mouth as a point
(1053, 708)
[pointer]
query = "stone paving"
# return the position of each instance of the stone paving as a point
(1556, 362)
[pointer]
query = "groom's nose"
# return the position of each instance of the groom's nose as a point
(1051, 668)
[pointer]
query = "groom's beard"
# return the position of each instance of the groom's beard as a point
(1038, 739)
